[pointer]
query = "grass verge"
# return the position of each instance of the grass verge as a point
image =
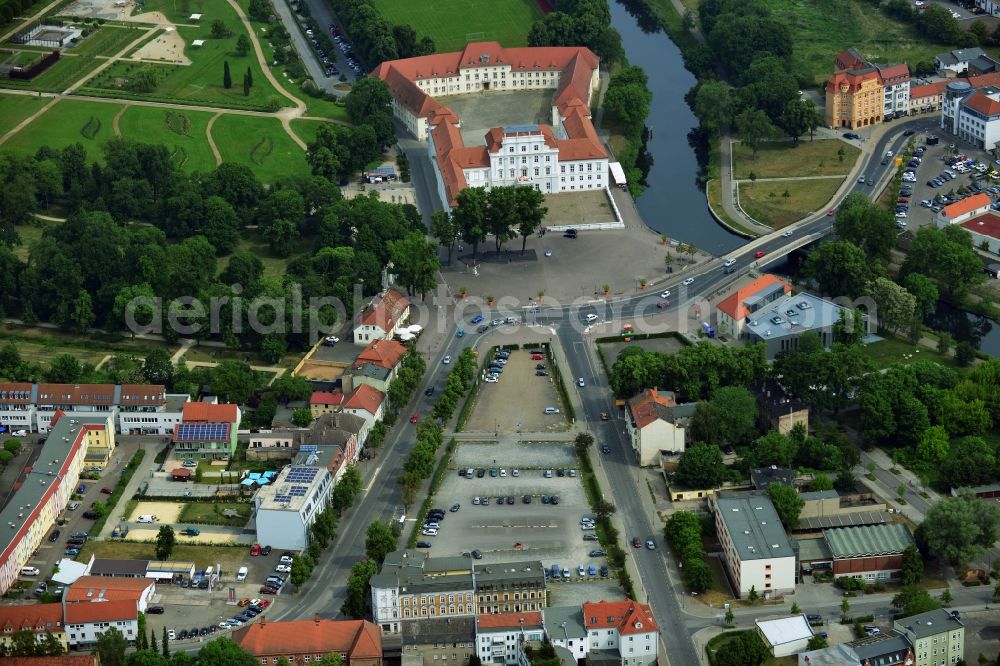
(182, 132)
(787, 159)
(211, 513)
(439, 472)
(230, 557)
(891, 351)
(778, 203)
(453, 23)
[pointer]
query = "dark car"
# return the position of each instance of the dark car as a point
(54, 536)
(597, 552)
(554, 499)
(106, 491)
(604, 571)
(184, 634)
(480, 472)
(540, 366)
(90, 515)
(429, 390)
(813, 617)
(423, 544)
(590, 537)
(476, 554)
(482, 328)
(636, 542)
(909, 133)
(266, 550)
(203, 632)
(155, 610)
(541, 373)
(560, 472)
(510, 499)
(203, 584)
(526, 499)
(605, 448)
(267, 589)
(500, 500)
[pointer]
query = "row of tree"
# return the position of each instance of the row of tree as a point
(374, 38)
(411, 369)
(580, 23)
(504, 212)
(683, 532)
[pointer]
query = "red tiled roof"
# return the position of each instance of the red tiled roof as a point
(383, 353)
(35, 617)
(894, 73)
(386, 311)
(849, 59)
(983, 104)
(983, 80)
(357, 639)
(987, 224)
(64, 660)
(205, 412)
(531, 619)
(966, 206)
(76, 394)
(115, 588)
(143, 394)
(929, 90)
(628, 617)
(365, 397)
(853, 81)
(108, 611)
(9, 388)
(733, 304)
(645, 406)
(326, 398)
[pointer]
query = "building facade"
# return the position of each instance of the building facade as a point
(564, 628)
(513, 587)
(731, 313)
(937, 637)
(755, 549)
(367, 403)
(966, 209)
(985, 230)
(304, 641)
(656, 423)
(780, 324)
(448, 640)
(40, 619)
(85, 622)
(287, 508)
(500, 638)
(623, 627)
(861, 93)
(871, 552)
(382, 318)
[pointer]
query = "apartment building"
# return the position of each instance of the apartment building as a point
(861, 93)
(207, 431)
(731, 313)
(510, 587)
(657, 423)
(972, 113)
(39, 619)
(448, 640)
(300, 642)
(623, 628)
(500, 638)
(287, 508)
(937, 637)
(382, 318)
(85, 622)
(755, 549)
(368, 403)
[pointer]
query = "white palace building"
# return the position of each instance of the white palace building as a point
(562, 157)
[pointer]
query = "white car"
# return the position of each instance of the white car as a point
(255, 602)
(514, 472)
(591, 317)
(688, 282)
(666, 294)
(429, 532)
(491, 379)
(548, 253)
(579, 382)
(222, 625)
(888, 153)
(283, 568)
(171, 634)
(331, 339)
(788, 234)
(503, 472)
(729, 262)
(285, 559)
(446, 360)
(73, 506)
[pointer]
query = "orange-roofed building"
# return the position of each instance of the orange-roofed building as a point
(500, 636)
(368, 403)
(85, 622)
(657, 423)
(382, 318)
(359, 642)
(36, 618)
(100, 589)
(62, 660)
(731, 313)
(383, 353)
(208, 412)
(325, 402)
(963, 210)
(626, 626)
(862, 93)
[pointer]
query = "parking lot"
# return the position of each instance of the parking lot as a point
(517, 401)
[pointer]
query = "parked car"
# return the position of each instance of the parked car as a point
(255, 550)
(54, 536)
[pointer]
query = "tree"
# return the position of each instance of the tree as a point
(800, 116)
(157, 368)
(912, 566)
(260, 10)
(288, 387)
(302, 567)
(752, 595)
(379, 541)
(242, 46)
(219, 29)
(346, 489)
(233, 381)
(839, 267)
(141, 640)
(971, 462)
(357, 596)
(111, 647)
(529, 213)
(146, 657)
(227, 78)
(845, 607)
(965, 353)
(817, 642)
(753, 128)
(628, 98)
(409, 485)
(470, 216)
(730, 616)
(165, 540)
(164, 644)
(925, 293)
(224, 652)
(65, 369)
(730, 417)
(867, 225)
(933, 446)
(250, 77)
(896, 305)
(787, 503)
(714, 104)
(13, 445)
(700, 466)
(444, 228)
(775, 448)
(582, 443)
(302, 417)
(913, 600)
(415, 263)
(947, 257)
(370, 100)
(821, 482)
(959, 528)
(331, 659)
(698, 575)
(795, 610)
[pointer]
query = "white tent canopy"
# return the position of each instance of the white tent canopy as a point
(617, 173)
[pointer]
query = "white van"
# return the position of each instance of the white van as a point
(241, 575)
(209, 571)
(145, 518)
(551, 410)
(29, 571)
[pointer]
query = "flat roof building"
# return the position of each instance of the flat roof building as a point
(287, 508)
(785, 635)
(781, 323)
(755, 549)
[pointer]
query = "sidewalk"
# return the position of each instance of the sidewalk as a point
(145, 470)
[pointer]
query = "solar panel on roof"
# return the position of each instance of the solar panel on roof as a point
(308, 448)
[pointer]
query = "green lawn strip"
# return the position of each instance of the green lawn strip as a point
(16, 108)
(211, 513)
(785, 159)
(816, 38)
(891, 351)
(765, 201)
(79, 60)
(182, 132)
(262, 144)
(713, 190)
(324, 108)
(451, 23)
(68, 121)
(306, 129)
(230, 557)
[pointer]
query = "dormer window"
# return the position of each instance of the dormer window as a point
(638, 625)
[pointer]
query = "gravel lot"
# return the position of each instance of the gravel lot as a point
(518, 398)
(509, 454)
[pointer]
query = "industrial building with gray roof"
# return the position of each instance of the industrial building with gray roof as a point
(754, 527)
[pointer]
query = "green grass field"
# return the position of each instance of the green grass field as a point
(890, 351)
(69, 121)
(183, 133)
(16, 108)
(274, 267)
(261, 144)
(179, 11)
(79, 60)
(785, 159)
(452, 23)
(765, 201)
(306, 129)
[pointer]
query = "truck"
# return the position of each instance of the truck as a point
(709, 329)
(120, 532)
(191, 531)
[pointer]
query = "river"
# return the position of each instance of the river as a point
(673, 204)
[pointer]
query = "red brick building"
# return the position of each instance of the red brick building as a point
(305, 641)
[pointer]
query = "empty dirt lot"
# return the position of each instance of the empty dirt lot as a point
(518, 398)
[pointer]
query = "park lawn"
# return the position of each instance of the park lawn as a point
(713, 191)
(765, 201)
(230, 557)
(79, 60)
(891, 351)
(306, 129)
(261, 144)
(820, 30)
(179, 11)
(324, 108)
(211, 513)
(453, 23)
(786, 159)
(16, 108)
(182, 132)
(69, 121)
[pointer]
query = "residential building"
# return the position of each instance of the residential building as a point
(762, 477)
(500, 637)
(340, 429)
(622, 629)
(403, 590)
(854, 97)
(330, 457)
(287, 508)
(937, 637)
(927, 98)
(656, 423)
(100, 444)
(971, 207)
(325, 402)
(731, 313)
(382, 318)
(778, 409)
(887, 648)
(305, 641)
(985, 230)
(39, 619)
(368, 403)
(895, 90)
(207, 431)
(285, 440)
(367, 373)
(972, 114)
(34, 506)
(509, 587)
(61, 660)
(781, 323)
(755, 549)
(383, 353)
(953, 63)
(563, 157)
(445, 639)
(991, 7)
(785, 636)
(85, 622)
(872, 552)
(102, 589)
(133, 408)
(564, 628)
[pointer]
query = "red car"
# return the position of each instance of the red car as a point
(831, 213)
(267, 589)
(255, 551)
(414, 418)
(106, 491)
(758, 254)
(663, 304)
(636, 542)
(537, 357)
(263, 603)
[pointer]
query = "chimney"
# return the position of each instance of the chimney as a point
(316, 619)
